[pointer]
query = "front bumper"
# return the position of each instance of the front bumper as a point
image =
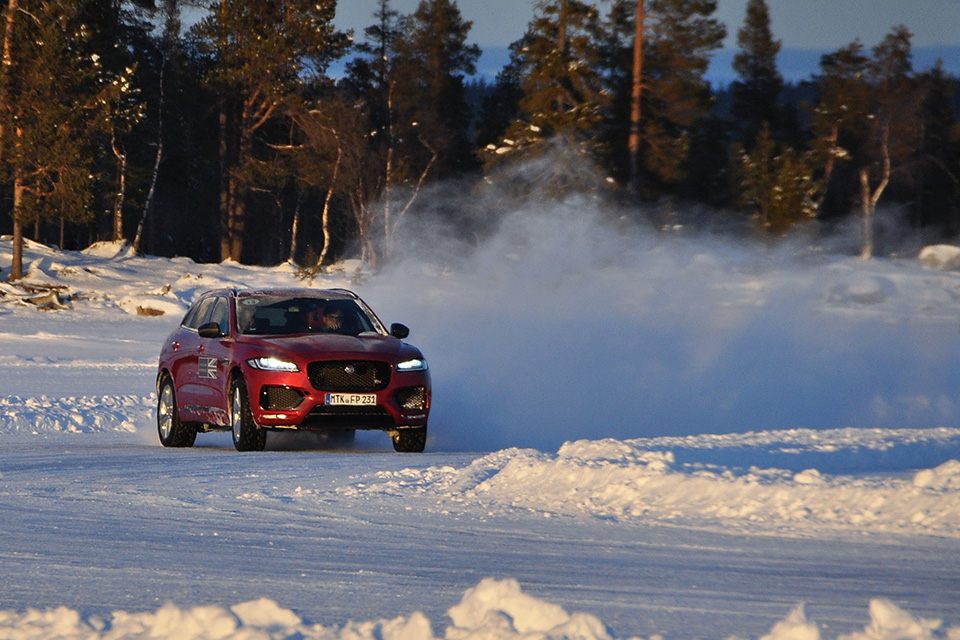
(289, 401)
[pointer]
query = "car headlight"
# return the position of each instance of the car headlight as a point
(416, 364)
(272, 364)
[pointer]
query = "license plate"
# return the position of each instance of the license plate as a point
(351, 399)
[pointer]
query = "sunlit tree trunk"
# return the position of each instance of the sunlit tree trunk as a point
(16, 270)
(636, 94)
(156, 165)
(121, 189)
(325, 220)
(868, 199)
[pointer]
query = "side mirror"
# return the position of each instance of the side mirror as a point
(400, 331)
(210, 330)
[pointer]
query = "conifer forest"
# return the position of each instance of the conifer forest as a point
(258, 132)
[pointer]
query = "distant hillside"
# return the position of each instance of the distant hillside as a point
(795, 64)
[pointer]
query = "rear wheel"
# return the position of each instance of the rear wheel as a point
(172, 431)
(410, 440)
(247, 436)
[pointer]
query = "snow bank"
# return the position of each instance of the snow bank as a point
(44, 414)
(631, 480)
(493, 610)
(941, 256)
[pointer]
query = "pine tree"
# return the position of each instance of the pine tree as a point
(563, 94)
(759, 85)
(410, 80)
(677, 95)
(938, 201)
(840, 115)
(776, 184)
(262, 56)
(52, 91)
(115, 34)
(434, 57)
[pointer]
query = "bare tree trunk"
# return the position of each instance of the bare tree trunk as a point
(391, 228)
(388, 172)
(869, 200)
(16, 268)
(121, 188)
(156, 166)
(326, 203)
(295, 228)
(235, 226)
(7, 64)
(562, 28)
(636, 94)
(224, 184)
(866, 251)
(362, 215)
(828, 169)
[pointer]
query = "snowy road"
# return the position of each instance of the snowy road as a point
(101, 523)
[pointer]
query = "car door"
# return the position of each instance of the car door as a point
(183, 365)
(213, 363)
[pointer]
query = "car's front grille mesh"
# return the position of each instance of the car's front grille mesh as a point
(412, 398)
(356, 376)
(279, 398)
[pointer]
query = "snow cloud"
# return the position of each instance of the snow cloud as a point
(571, 322)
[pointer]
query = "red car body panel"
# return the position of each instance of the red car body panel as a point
(202, 369)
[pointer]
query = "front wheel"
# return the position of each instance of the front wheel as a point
(247, 436)
(410, 440)
(173, 432)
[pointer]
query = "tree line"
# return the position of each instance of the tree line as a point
(231, 138)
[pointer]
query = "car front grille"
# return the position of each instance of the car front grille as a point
(355, 376)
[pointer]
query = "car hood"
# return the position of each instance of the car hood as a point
(326, 346)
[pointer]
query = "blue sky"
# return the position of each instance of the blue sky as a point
(799, 24)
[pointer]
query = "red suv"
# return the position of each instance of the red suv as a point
(251, 361)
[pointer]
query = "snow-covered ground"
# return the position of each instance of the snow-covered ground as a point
(633, 435)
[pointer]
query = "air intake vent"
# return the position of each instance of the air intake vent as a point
(279, 398)
(412, 398)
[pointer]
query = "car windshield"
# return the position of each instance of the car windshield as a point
(283, 315)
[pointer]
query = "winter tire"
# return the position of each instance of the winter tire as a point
(172, 432)
(247, 436)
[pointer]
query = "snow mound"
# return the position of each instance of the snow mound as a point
(99, 414)
(946, 477)
(119, 249)
(152, 305)
(944, 257)
(632, 481)
(493, 610)
(862, 289)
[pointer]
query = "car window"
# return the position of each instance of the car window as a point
(202, 311)
(274, 315)
(220, 314)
